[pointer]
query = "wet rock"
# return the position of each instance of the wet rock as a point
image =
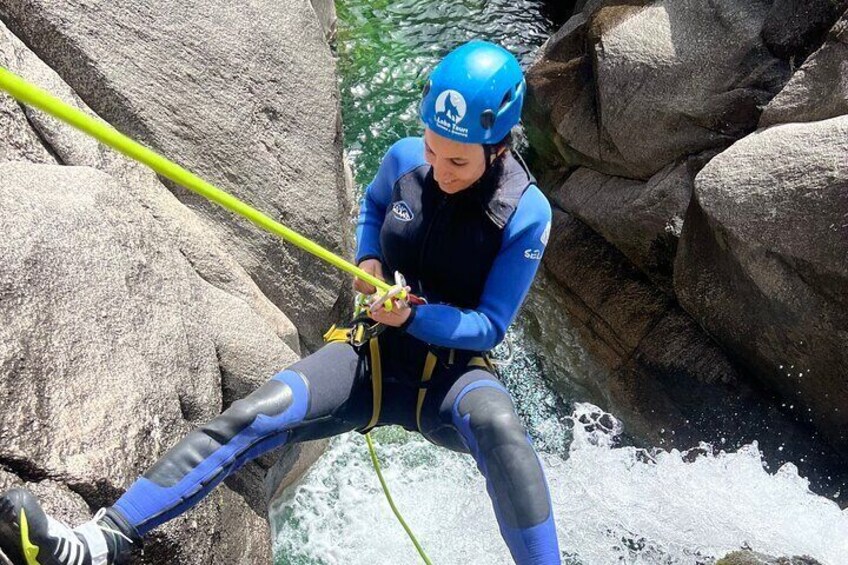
(753, 558)
(626, 326)
(291, 467)
(629, 88)
(819, 89)
(796, 28)
(763, 264)
(642, 219)
(608, 333)
(242, 93)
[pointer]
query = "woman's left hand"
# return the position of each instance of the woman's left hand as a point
(399, 314)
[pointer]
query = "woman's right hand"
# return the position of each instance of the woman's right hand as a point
(372, 267)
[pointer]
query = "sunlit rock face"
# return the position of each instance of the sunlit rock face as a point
(629, 89)
(763, 263)
(128, 321)
(242, 93)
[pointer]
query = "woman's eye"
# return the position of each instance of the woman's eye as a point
(462, 164)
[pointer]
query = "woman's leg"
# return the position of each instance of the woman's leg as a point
(321, 395)
(476, 414)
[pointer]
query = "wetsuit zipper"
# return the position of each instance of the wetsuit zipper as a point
(443, 200)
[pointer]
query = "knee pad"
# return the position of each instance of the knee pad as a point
(271, 408)
(485, 415)
(190, 470)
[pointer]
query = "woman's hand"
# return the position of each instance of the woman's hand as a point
(399, 314)
(372, 267)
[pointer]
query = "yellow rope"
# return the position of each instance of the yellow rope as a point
(392, 502)
(30, 94)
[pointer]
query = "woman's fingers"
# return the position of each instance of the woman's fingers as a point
(372, 267)
(360, 285)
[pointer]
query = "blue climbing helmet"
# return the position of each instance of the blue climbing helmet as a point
(475, 94)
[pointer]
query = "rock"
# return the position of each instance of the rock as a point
(195, 240)
(819, 89)
(560, 10)
(291, 467)
(763, 264)
(97, 291)
(19, 142)
(629, 89)
(796, 28)
(242, 365)
(642, 219)
(325, 10)
(242, 370)
(753, 558)
(607, 332)
(245, 95)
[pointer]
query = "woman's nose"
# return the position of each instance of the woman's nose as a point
(440, 172)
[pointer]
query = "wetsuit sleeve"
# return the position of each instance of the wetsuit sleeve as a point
(401, 157)
(507, 285)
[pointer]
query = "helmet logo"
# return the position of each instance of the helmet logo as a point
(450, 109)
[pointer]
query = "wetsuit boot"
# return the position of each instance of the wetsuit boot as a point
(28, 536)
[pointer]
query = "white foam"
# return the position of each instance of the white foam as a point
(612, 505)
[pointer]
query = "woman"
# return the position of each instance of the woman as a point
(463, 221)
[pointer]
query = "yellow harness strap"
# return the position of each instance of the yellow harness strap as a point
(356, 337)
(429, 366)
(481, 361)
(335, 334)
(376, 383)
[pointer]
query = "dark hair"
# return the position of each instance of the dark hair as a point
(490, 149)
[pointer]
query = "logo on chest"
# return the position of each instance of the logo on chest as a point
(402, 212)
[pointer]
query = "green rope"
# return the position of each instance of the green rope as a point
(392, 502)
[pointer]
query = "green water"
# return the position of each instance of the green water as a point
(387, 48)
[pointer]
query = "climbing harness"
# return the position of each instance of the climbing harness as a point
(363, 330)
(479, 361)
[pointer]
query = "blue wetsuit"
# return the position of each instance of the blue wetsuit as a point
(473, 255)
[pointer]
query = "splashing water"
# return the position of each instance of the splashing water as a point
(612, 504)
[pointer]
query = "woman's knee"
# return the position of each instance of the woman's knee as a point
(488, 414)
(503, 451)
(272, 408)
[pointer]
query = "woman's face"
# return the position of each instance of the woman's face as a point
(456, 166)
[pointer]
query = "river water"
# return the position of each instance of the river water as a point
(613, 504)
